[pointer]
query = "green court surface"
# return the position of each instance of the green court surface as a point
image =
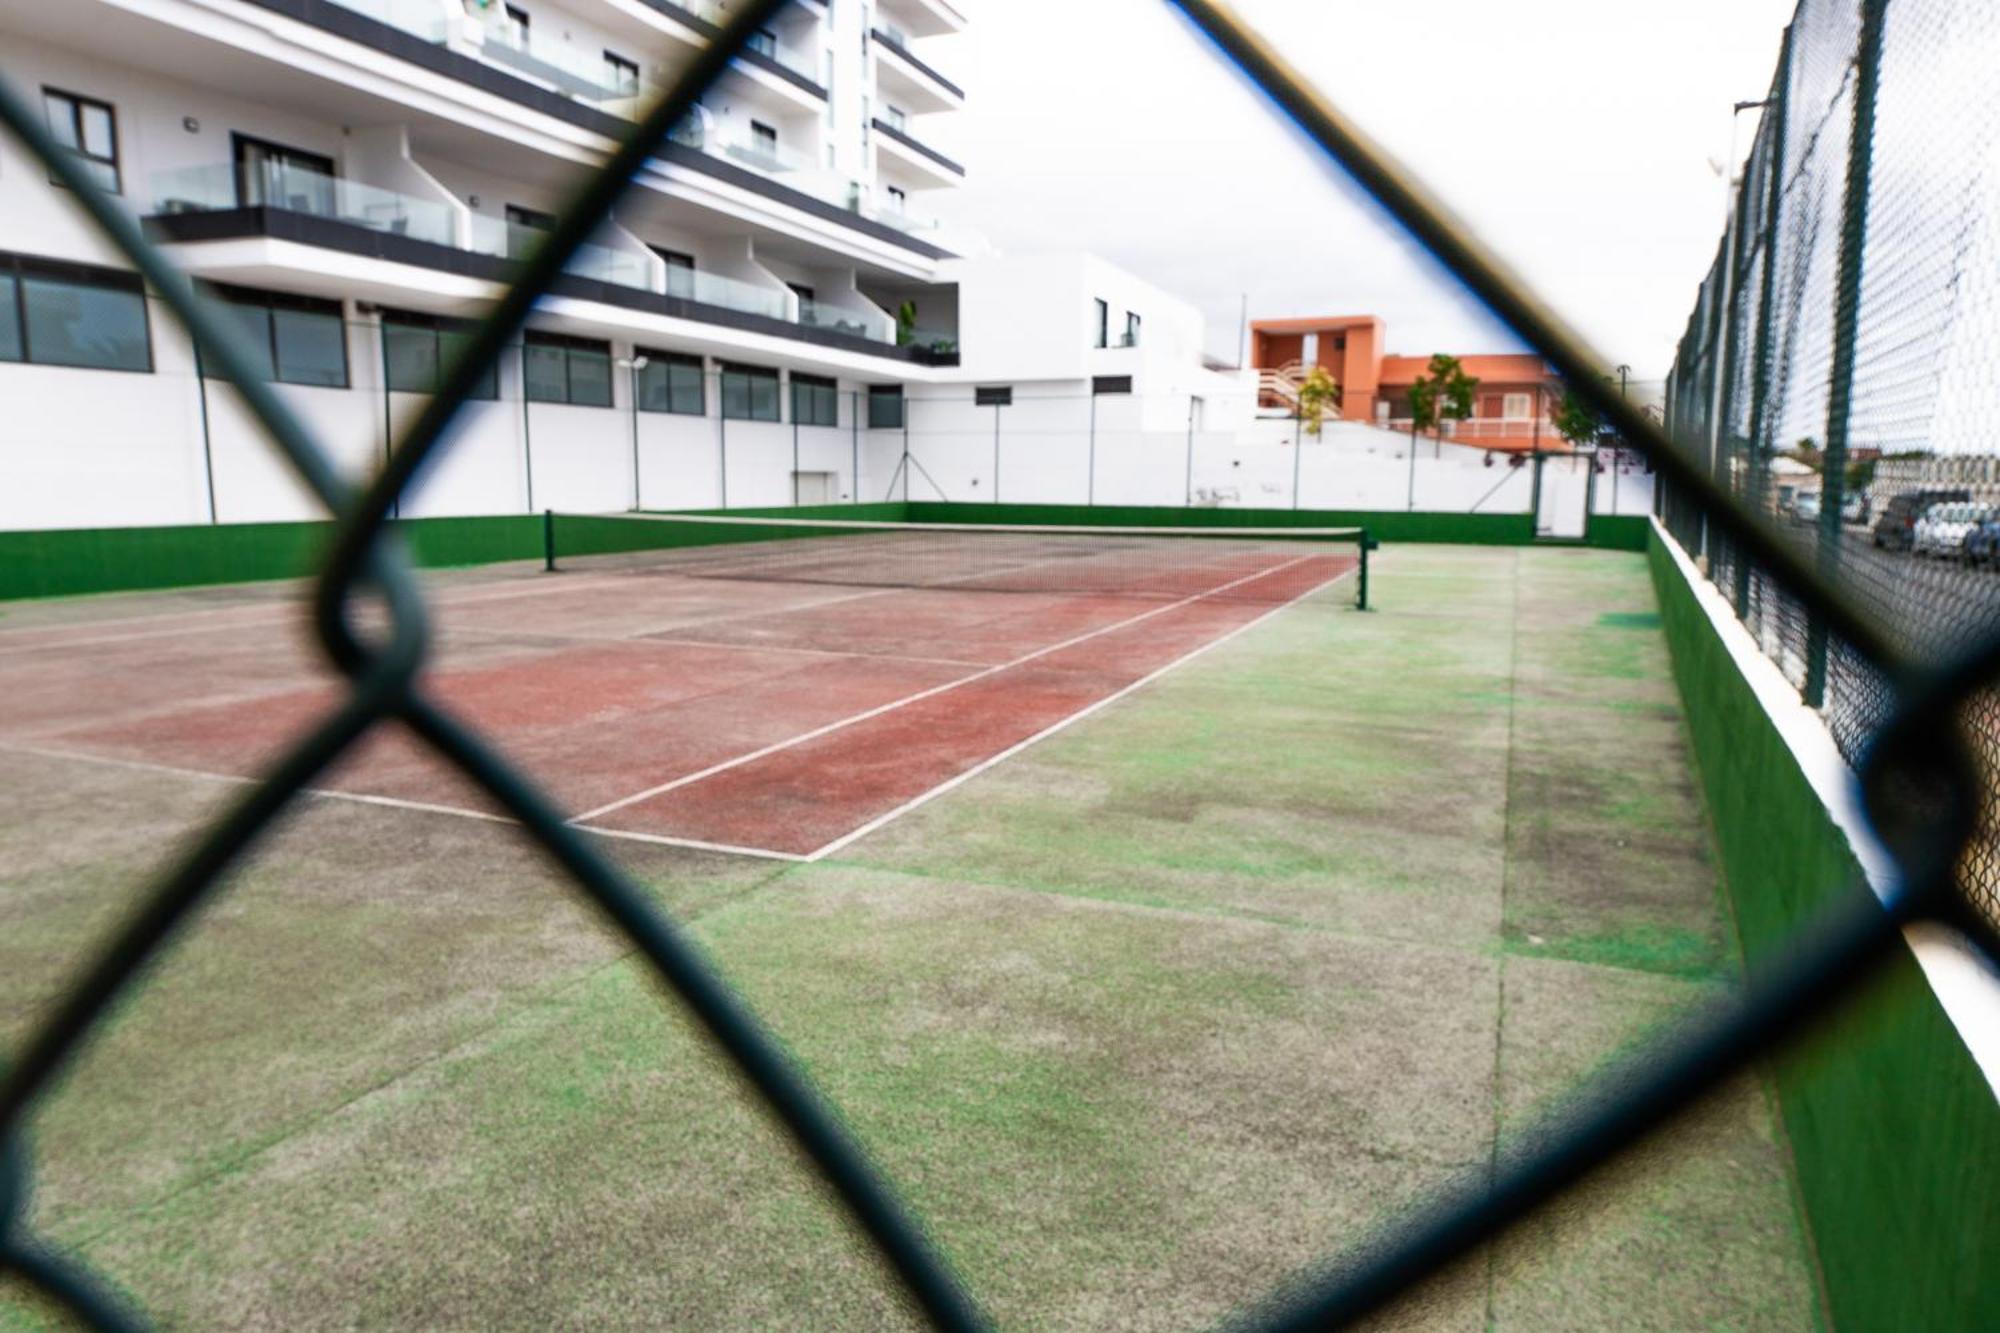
(1143, 1019)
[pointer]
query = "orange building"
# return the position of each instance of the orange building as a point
(1511, 406)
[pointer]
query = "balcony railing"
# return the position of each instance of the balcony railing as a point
(819, 315)
(222, 186)
(1477, 431)
(419, 18)
(730, 293)
(581, 75)
(225, 187)
(512, 240)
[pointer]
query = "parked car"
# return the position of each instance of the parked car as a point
(1805, 507)
(1854, 507)
(1895, 530)
(1942, 530)
(1982, 544)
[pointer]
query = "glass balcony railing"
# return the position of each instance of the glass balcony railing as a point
(583, 76)
(764, 155)
(221, 186)
(729, 293)
(819, 315)
(419, 18)
(623, 268)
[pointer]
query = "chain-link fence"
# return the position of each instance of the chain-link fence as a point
(1855, 629)
(1834, 372)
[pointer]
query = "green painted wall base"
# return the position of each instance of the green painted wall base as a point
(1894, 1129)
(70, 561)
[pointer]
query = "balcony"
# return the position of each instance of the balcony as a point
(225, 186)
(928, 162)
(412, 31)
(220, 202)
(908, 79)
(922, 18)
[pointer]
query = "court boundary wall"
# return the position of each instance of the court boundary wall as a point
(61, 562)
(1891, 1108)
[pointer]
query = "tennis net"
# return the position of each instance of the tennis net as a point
(1274, 565)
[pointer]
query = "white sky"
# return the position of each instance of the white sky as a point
(1576, 134)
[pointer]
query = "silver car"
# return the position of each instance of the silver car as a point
(1943, 529)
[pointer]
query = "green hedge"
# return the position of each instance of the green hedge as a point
(1894, 1129)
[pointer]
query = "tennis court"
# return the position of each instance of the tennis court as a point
(777, 693)
(1159, 921)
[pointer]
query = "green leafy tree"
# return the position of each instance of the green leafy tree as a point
(1575, 420)
(1442, 393)
(1318, 393)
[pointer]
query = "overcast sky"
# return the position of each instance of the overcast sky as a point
(1577, 134)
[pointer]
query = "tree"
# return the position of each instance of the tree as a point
(1443, 393)
(1316, 395)
(1575, 420)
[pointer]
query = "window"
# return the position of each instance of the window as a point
(1131, 338)
(515, 19)
(749, 393)
(1103, 338)
(885, 406)
(562, 369)
(899, 198)
(621, 75)
(296, 339)
(993, 395)
(803, 292)
(1515, 406)
(670, 382)
(680, 272)
(88, 128)
(416, 348)
(54, 313)
(764, 138)
(270, 175)
(815, 401)
(764, 42)
(895, 117)
(1111, 384)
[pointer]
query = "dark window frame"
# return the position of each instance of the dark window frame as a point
(239, 140)
(571, 347)
(271, 302)
(753, 375)
(19, 267)
(1132, 325)
(437, 326)
(1110, 384)
(764, 132)
(1103, 322)
(622, 65)
(77, 103)
(882, 394)
(823, 400)
(993, 395)
(667, 361)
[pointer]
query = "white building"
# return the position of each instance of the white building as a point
(769, 315)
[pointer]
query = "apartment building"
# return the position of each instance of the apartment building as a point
(771, 315)
(354, 178)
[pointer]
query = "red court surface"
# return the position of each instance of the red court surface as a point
(773, 715)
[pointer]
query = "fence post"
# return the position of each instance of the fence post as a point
(1090, 482)
(1846, 328)
(549, 541)
(1777, 121)
(1721, 442)
(1187, 501)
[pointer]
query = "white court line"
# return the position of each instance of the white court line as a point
(390, 802)
(1048, 731)
(921, 695)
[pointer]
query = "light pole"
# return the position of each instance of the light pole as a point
(635, 365)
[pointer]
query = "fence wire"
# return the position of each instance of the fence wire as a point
(1861, 480)
(1902, 659)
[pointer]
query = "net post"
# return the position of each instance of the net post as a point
(1361, 590)
(548, 541)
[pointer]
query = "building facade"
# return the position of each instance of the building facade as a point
(1511, 407)
(770, 316)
